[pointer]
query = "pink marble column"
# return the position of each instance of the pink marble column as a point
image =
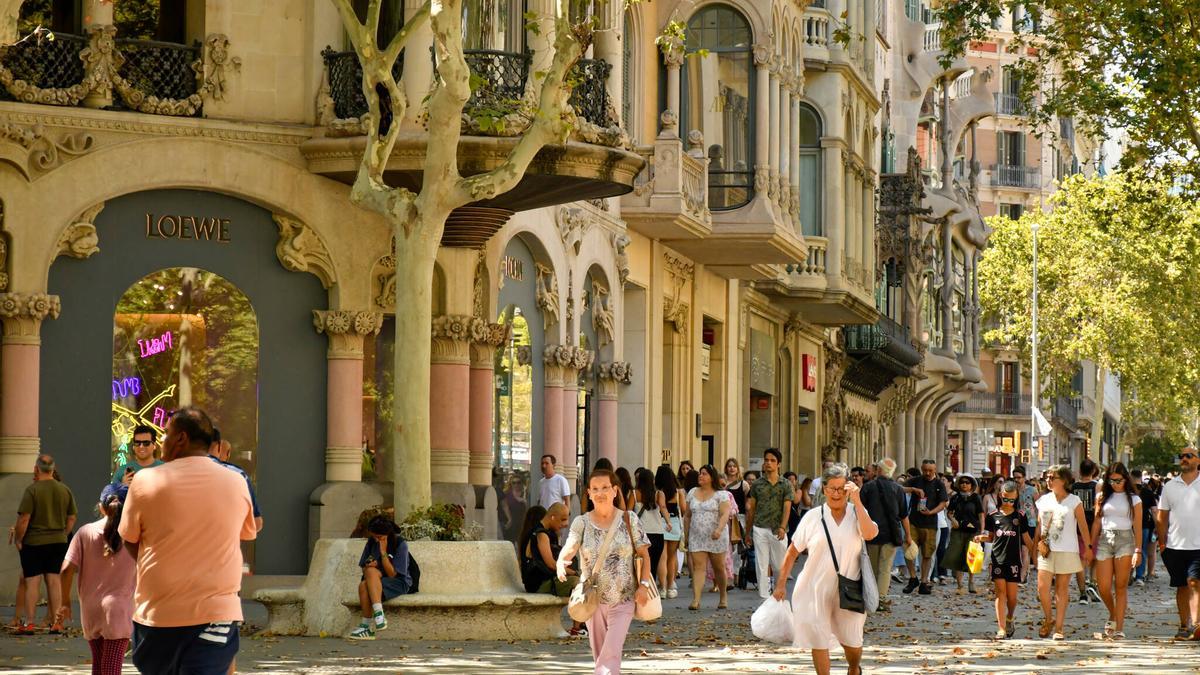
(449, 400)
(20, 376)
(346, 331)
(483, 388)
(570, 426)
(552, 405)
(611, 375)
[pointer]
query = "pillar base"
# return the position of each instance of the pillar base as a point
(18, 453)
(343, 464)
(479, 470)
(449, 466)
(333, 508)
(571, 473)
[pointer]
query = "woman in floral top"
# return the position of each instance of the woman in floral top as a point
(1061, 526)
(618, 587)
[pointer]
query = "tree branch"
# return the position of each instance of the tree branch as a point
(548, 125)
(401, 38)
(451, 93)
(350, 22)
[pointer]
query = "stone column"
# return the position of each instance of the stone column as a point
(607, 48)
(97, 24)
(834, 215)
(21, 315)
(343, 406)
(762, 119)
(581, 361)
(552, 413)
(672, 53)
(485, 338)
(449, 399)
(610, 375)
(794, 159)
(785, 142)
(773, 130)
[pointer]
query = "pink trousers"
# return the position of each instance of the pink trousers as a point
(606, 633)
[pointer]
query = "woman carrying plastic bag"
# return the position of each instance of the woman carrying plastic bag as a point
(772, 621)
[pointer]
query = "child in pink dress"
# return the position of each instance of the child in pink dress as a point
(107, 575)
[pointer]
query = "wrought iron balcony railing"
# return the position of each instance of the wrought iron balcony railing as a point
(590, 95)
(1015, 175)
(885, 335)
(45, 63)
(503, 73)
(1009, 104)
(345, 84)
(993, 403)
(1066, 411)
(161, 69)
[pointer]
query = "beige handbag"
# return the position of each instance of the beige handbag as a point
(585, 597)
(652, 610)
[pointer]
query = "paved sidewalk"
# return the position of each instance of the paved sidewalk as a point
(942, 633)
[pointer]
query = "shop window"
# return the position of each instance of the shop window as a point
(718, 99)
(493, 25)
(185, 336)
(378, 397)
(811, 183)
(512, 436)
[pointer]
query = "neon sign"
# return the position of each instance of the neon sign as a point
(129, 386)
(156, 345)
(125, 419)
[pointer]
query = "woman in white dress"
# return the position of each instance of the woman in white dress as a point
(819, 623)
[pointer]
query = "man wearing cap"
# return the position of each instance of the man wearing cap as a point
(45, 517)
(185, 521)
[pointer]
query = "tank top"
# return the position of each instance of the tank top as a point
(739, 495)
(534, 571)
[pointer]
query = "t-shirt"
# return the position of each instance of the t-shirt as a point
(188, 517)
(1086, 491)
(1149, 502)
(105, 584)
(1058, 522)
(49, 504)
(397, 553)
(1117, 512)
(1183, 525)
(553, 490)
(966, 509)
(768, 502)
(935, 494)
(1008, 532)
(132, 465)
(249, 485)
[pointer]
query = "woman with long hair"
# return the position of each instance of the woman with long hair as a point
(668, 566)
(1060, 517)
(107, 576)
(618, 588)
(626, 497)
(1117, 540)
(650, 506)
(384, 563)
(966, 520)
(706, 520)
(739, 488)
(685, 468)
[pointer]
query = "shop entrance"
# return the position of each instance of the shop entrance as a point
(212, 321)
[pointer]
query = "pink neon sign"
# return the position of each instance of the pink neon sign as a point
(156, 345)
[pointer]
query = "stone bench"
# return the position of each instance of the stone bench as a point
(469, 591)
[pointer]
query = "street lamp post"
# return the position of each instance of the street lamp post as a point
(1034, 386)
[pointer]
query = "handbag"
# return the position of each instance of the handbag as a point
(855, 595)
(652, 610)
(585, 597)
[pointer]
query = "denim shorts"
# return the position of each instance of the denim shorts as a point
(1115, 544)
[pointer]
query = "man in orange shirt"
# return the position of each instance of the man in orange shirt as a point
(185, 521)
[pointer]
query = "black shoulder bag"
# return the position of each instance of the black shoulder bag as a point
(850, 591)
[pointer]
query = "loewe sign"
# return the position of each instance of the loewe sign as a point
(187, 227)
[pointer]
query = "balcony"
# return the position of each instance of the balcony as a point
(1066, 129)
(1016, 176)
(816, 32)
(992, 403)
(1009, 104)
(1066, 411)
(881, 352)
(669, 200)
(161, 78)
(811, 289)
(933, 37)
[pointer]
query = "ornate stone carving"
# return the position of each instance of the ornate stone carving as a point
(603, 316)
(451, 338)
(675, 304)
(762, 55)
(833, 403)
(762, 178)
(301, 250)
(905, 388)
(524, 355)
(33, 151)
(793, 326)
(610, 375)
(22, 315)
(573, 225)
(620, 242)
(673, 50)
(383, 280)
(669, 121)
(346, 330)
(80, 240)
(3, 261)
(485, 338)
(547, 294)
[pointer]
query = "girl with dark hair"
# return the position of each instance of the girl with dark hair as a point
(384, 563)
(626, 489)
(107, 576)
(1116, 538)
(966, 515)
(685, 468)
(1060, 517)
(650, 506)
(706, 520)
(668, 565)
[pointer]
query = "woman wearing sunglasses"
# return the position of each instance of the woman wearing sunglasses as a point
(1060, 517)
(1008, 531)
(1116, 538)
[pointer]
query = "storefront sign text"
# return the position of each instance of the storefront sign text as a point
(156, 345)
(129, 386)
(808, 369)
(513, 268)
(187, 227)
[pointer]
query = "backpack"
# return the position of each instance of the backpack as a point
(414, 574)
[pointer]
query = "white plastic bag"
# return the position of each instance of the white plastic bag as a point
(772, 621)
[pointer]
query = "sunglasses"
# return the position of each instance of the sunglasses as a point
(1006, 500)
(1116, 481)
(1187, 455)
(143, 443)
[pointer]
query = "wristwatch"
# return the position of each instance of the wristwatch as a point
(645, 583)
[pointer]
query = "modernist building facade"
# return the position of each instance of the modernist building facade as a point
(747, 254)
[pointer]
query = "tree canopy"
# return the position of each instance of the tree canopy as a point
(1132, 65)
(1118, 284)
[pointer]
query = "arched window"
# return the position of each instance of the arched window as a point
(811, 185)
(718, 99)
(493, 25)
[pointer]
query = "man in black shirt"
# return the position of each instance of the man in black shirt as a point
(1149, 504)
(885, 500)
(1085, 489)
(932, 498)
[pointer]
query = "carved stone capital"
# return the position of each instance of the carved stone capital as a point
(673, 51)
(610, 374)
(301, 250)
(80, 240)
(762, 55)
(21, 315)
(451, 339)
(346, 330)
(485, 338)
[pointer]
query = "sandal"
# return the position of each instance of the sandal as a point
(695, 607)
(1046, 629)
(1059, 636)
(722, 606)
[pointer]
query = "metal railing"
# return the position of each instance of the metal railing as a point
(1066, 412)
(1015, 175)
(883, 335)
(590, 95)
(993, 403)
(45, 63)
(161, 69)
(345, 85)
(1009, 104)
